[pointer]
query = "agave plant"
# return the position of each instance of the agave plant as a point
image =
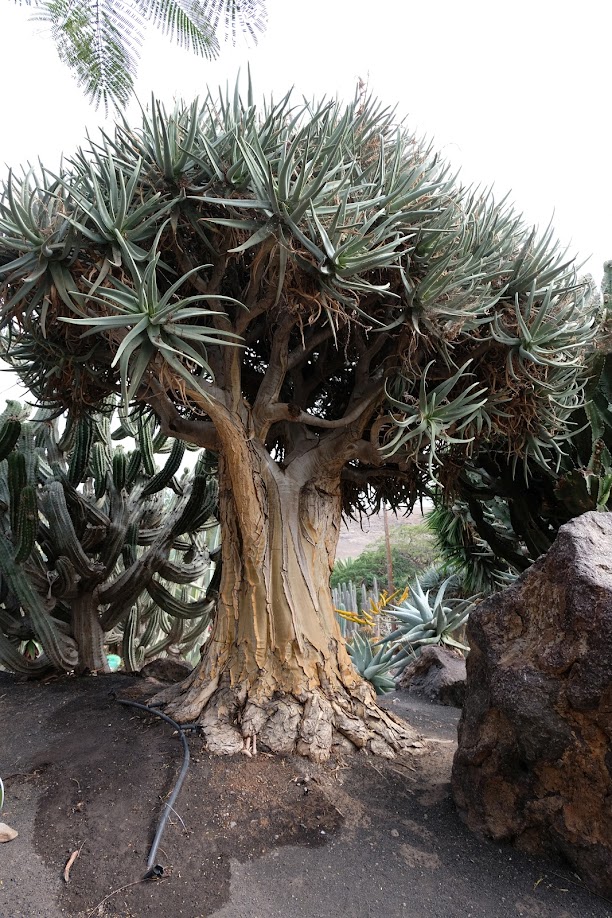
(375, 666)
(420, 621)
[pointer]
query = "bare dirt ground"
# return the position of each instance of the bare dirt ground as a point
(249, 838)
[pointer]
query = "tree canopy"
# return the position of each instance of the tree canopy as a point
(313, 263)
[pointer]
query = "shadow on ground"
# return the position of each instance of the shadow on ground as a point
(250, 838)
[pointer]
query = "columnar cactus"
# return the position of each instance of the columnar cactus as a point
(98, 545)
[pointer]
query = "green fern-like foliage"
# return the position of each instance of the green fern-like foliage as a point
(466, 555)
(100, 40)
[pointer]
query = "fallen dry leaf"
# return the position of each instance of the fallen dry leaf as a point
(6, 833)
(69, 864)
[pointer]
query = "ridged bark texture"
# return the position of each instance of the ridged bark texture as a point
(276, 671)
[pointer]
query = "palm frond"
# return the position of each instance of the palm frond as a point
(185, 23)
(230, 18)
(99, 40)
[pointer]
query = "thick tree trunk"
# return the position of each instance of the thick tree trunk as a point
(276, 671)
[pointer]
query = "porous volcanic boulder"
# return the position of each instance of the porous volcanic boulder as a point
(534, 761)
(437, 674)
(166, 670)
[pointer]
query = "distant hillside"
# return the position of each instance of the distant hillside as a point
(354, 539)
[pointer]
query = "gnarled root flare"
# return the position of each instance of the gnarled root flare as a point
(312, 723)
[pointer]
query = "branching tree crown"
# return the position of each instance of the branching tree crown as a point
(313, 266)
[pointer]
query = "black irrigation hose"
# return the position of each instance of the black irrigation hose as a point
(154, 871)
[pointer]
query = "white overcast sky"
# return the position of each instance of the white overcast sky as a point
(517, 94)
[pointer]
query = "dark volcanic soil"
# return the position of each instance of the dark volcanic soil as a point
(249, 838)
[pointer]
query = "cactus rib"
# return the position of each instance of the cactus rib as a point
(60, 649)
(65, 535)
(79, 459)
(27, 524)
(176, 607)
(9, 434)
(164, 477)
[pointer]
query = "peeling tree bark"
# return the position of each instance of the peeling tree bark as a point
(276, 670)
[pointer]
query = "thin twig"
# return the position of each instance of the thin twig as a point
(177, 816)
(404, 765)
(121, 888)
(580, 885)
(70, 862)
(372, 765)
(401, 775)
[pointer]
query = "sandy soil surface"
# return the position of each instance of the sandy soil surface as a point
(263, 837)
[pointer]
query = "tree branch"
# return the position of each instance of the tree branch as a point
(340, 444)
(366, 453)
(364, 476)
(225, 358)
(362, 370)
(299, 355)
(283, 411)
(200, 433)
(258, 269)
(265, 402)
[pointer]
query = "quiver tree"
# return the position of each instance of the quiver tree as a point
(494, 524)
(96, 544)
(308, 292)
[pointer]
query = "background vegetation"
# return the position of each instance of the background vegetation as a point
(413, 549)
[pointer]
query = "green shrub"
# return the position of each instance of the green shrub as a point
(412, 551)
